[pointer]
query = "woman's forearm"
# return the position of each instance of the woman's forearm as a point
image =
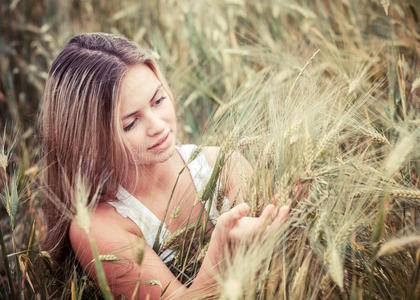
(205, 283)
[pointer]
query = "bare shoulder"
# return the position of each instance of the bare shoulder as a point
(103, 219)
(211, 153)
(103, 215)
(236, 172)
(106, 227)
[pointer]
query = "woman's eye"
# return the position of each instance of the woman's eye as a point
(129, 126)
(159, 101)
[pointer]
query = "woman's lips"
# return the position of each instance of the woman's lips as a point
(159, 143)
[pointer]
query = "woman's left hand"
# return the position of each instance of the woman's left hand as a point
(248, 228)
(234, 228)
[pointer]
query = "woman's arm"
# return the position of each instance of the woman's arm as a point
(236, 173)
(124, 274)
(238, 178)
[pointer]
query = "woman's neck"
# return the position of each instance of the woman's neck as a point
(157, 177)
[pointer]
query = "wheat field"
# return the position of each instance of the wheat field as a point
(322, 98)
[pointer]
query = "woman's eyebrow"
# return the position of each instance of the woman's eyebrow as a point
(151, 99)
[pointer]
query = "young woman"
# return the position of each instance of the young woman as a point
(108, 117)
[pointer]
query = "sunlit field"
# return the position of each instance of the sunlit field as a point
(321, 97)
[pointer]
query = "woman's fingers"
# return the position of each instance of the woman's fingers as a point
(272, 218)
(283, 212)
(280, 218)
(275, 198)
(267, 212)
(234, 226)
(230, 218)
(266, 215)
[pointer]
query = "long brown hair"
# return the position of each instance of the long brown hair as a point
(81, 129)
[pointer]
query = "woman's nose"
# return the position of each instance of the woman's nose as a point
(155, 125)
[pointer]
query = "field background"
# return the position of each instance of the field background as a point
(345, 73)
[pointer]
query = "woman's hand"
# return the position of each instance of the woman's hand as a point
(233, 227)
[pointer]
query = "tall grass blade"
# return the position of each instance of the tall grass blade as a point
(103, 285)
(7, 266)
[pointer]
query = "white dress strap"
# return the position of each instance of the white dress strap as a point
(199, 167)
(128, 206)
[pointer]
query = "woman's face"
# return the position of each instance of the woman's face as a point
(147, 116)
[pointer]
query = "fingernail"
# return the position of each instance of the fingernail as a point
(285, 207)
(244, 208)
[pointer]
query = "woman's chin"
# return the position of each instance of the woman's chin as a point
(159, 154)
(157, 157)
(166, 155)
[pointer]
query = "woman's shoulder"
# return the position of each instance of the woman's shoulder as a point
(211, 153)
(104, 225)
(104, 215)
(110, 235)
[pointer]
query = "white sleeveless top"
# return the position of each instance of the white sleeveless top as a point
(130, 207)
